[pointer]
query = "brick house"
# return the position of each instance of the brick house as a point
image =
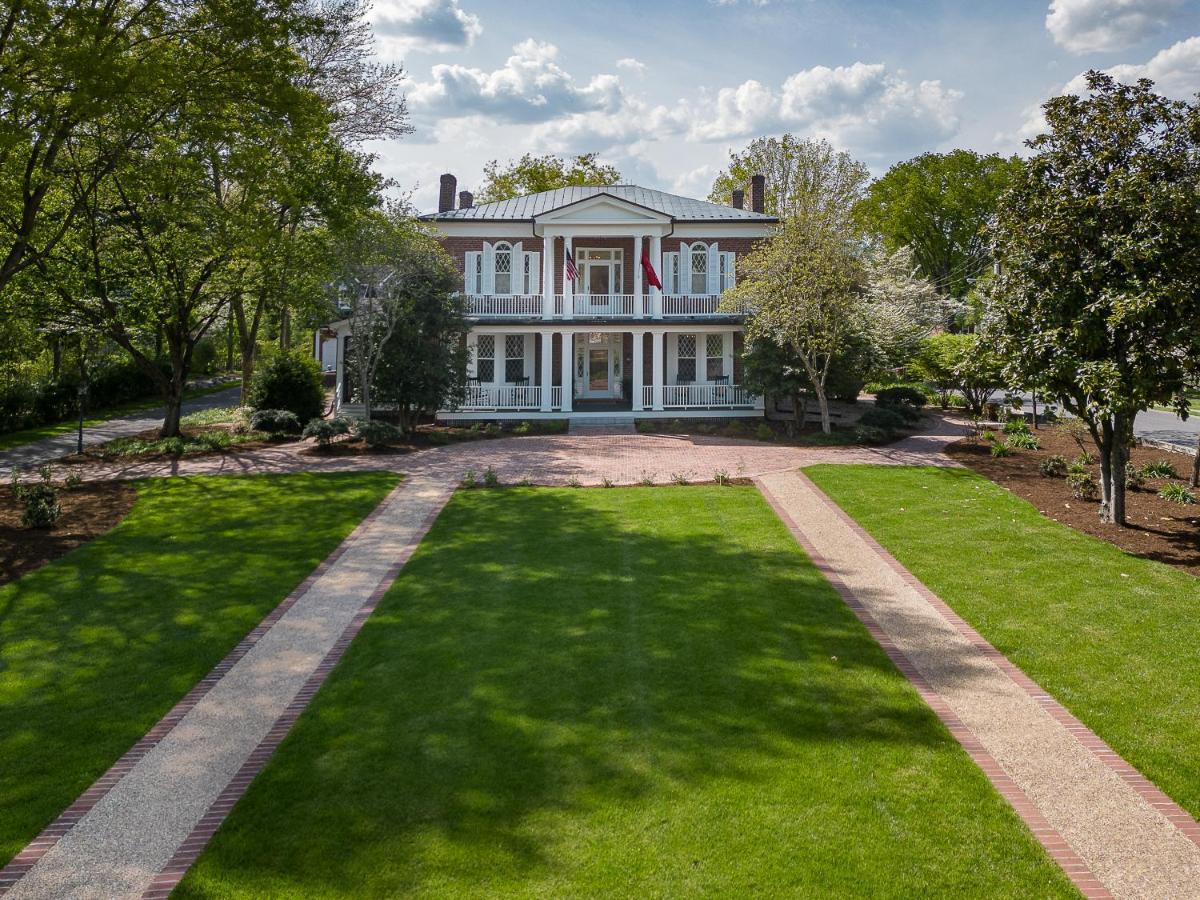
(607, 344)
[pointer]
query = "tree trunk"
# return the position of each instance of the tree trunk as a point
(173, 402)
(285, 328)
(1196, 465)
(229, 343)
(799, 410)
(823, 405)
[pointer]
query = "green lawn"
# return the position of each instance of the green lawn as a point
(98, 645)
(627, 692)
(98, 417)
(1111, 636)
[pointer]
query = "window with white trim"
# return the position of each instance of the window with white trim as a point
(714, 359)
(685, 368)
(485, 358)
(514, 358)
(503, 255)
(698, 283)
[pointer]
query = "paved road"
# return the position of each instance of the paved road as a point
(1168, 428)
(52, 448)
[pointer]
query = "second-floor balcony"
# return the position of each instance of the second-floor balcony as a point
(596, 306)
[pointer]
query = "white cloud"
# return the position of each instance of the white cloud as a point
(428, 25)
(636, 66)
(1175, 72)
(1093, 25)
(529, 87)
(861, 107)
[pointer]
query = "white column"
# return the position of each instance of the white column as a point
(547, 275)
(639, 341)
(547, 375)
(568, 291)
(655, 293)
(568, 367)
(656, 361)
(637, 276)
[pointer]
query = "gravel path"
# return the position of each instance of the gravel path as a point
(130, 834)
(1132, 841)
(58, 446)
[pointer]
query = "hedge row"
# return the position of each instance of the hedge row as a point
(30, 404)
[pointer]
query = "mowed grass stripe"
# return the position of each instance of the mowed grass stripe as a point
(1111, 636)
(97, 646)
(634, 692)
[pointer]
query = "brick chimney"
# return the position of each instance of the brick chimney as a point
(465, 200)
(446, 197)
(758, 190)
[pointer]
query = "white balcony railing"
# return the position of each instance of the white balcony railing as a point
(600, 305)
(516, 305)
(705, 396)
(690, 305)
(502, 396)
(556, 396)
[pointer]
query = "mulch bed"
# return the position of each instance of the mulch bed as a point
(1158, 529)
(88, 510)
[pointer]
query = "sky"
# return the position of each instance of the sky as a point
(665, 89)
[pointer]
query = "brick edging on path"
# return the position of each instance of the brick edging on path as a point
(189, 851)
(27, 858)
(1047, 835)
(1144, 787)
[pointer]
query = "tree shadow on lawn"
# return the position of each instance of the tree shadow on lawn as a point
(617, 685)
(98, 646)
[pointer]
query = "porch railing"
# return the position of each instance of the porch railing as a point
(556, 396)
(600, 305)
(705, 396)
(522, 305)
(690, 304)
(488, 396)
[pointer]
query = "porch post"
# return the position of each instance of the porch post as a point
(568, 367)
(547, 367)
(655, 293)
(637, 276)
(547, 275)
(568, 289)
(639, 340)
(657, 360)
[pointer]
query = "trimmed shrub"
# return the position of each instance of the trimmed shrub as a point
(764, 432)
(42, 508)
(275, 421)
(901, 395)
(882, 417)
(871, 434)
(1083, 486)
(376, 433)
(1176, 493)
(288, 381)
(1053, 466)
(325, 430)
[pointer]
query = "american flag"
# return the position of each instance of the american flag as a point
(572, 272)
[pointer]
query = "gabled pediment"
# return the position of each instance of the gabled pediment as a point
(602, 209)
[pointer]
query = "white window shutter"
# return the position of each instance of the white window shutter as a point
(714, 269)
(471, 272)
(529, 357)
(535, 273)
(730, 270)
(489, 269)
(684, 285)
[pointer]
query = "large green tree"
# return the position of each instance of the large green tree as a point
(531, 174)
(940, 204)
(803, 177)
(1099, 294)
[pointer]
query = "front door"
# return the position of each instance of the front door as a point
(595, 362)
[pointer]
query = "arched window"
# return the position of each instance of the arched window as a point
(699, 283)
(504, 268)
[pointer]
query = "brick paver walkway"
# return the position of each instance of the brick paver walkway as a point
(1111, 830)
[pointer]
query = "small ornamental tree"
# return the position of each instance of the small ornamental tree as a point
(531, 174)
(1097, 298)
(802, 290)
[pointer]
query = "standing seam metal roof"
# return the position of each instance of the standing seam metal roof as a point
(531, 205)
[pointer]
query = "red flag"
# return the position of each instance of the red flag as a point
(648, 268)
